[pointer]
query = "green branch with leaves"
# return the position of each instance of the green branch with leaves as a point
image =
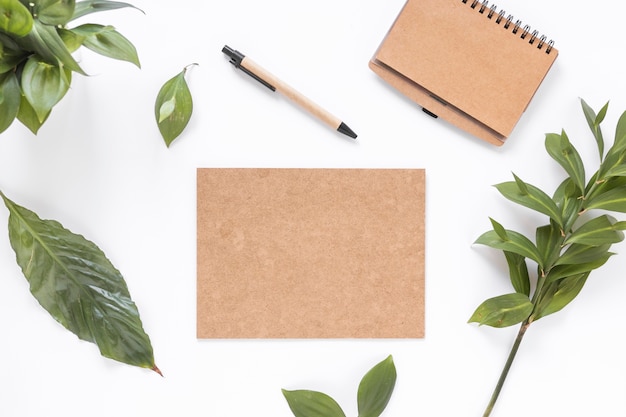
(570, 246)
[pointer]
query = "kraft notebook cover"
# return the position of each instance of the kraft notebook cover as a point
(310, 253)
(472, 65)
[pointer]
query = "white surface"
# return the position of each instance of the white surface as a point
(100, 167)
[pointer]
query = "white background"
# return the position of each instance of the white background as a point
(100, 167)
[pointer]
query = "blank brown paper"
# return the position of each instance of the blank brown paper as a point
(310, 253)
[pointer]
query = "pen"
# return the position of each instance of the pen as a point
(270, 81)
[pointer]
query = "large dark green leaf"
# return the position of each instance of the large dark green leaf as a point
(563, 152)
(503, 311)
(304, 403)
(569, 270)
(106, 41)
(549, 239)
(613, 199)
(54, 12)
(173, 107)
(10, 96)
(15, 18)
(530, 196)
(43, 85)
(91, 6)
(77, 284)
(376, 388)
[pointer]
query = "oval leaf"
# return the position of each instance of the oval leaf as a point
(76, 283)
(304, 403)
(106, 41)
(10, 97)
(376, 388)
(15, 18)
(27, 116)
(173, 107)
(44, 85)
(503, 311)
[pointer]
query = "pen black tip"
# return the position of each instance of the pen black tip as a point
(343, 128)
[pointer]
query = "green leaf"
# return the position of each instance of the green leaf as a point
(44, 85)
(613, 199)
(596, 232)
(563, 293)
(579, 254)
(71, 40)
(75, 282)
(503, 311)
(530, 196)
(513, 242)
(376, 388)
(564, 271)
(28, 117)
(518, 272)
(54, 12)
(549, 239)
(45, 41)
(92, 6)
(619, 143)
(594, 121)
(563, 152)
(305, 403)
(106, 41)
(567, 199)
(15, 18)
(10, 96)
(173, 107)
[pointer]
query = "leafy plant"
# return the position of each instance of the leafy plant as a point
(570, 246)
(373, 395)
(36, 46)
(75, 282)
(173, 107)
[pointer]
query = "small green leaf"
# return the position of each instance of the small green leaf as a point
(613, 199)
(75, 282)
(92, 6)
(518, 272)
(564, 271)
(54, 12)
(619, 143)
(563, 293)
(549, 240)
(594, 121)
(72, 40)
(514, 242)
(376, 388)
(530, 196)
(44, 85)
(106, 41)
(10, 96)
(15, 18)
(305, 403)
(596, 232)
(563, 152)
(503, 311)
(173, 107)
(578, 254)
(28, 117)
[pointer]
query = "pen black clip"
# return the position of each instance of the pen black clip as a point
(236, 57)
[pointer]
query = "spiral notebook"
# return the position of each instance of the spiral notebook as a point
(469, 63)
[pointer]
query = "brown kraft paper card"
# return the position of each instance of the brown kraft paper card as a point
(310, 253)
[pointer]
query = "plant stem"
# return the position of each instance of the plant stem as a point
(507, 366)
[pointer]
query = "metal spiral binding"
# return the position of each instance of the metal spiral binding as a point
(525, 30)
